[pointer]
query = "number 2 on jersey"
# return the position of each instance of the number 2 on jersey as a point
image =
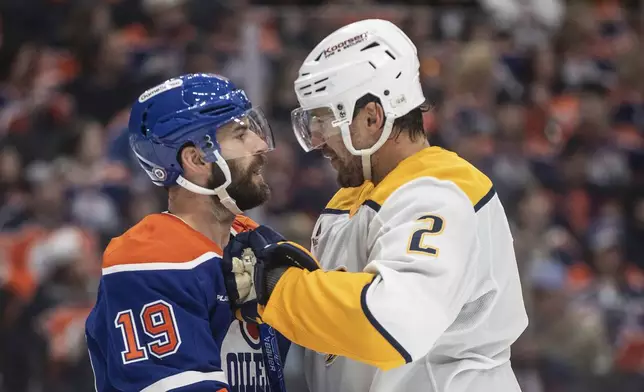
(158, 322)
(436, 224)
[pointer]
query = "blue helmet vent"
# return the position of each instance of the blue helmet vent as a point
(217, 111)
(144, 120)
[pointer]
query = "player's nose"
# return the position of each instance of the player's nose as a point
(318, 140)
(257, 144)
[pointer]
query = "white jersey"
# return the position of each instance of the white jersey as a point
(242, 360)
(446, 294)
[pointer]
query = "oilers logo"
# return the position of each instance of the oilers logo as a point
(244, 363)
(250, 333)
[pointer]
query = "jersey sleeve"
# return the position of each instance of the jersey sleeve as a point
(158, 327)
(411, 291)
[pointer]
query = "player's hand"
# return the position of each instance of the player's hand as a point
(239, 273)
(274, 260)
(238, 266)
(288, 254)
(269, 255)
(274, 256)
(239, 261)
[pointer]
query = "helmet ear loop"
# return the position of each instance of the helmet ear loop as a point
(366, 153)
(221, 191)
(211, 154)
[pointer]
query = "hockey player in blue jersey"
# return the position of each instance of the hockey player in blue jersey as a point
(162, 314)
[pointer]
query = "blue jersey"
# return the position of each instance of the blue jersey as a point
(162, 311)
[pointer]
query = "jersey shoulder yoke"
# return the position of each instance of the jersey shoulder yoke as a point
(159, 238)
(440, 164)
(346, 198)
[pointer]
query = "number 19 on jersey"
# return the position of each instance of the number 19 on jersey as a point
(158, 322)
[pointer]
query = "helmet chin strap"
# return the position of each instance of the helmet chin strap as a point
(220, 191)
(366, 167)
(365, 154)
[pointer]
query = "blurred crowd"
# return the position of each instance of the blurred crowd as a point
(546, 97)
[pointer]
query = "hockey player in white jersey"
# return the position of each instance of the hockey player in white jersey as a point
(431, 300)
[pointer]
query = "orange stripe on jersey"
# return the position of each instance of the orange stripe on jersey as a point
(158, 238)
(243, 223)
(164, 238)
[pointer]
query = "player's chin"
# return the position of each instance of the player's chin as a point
(251, 196)
(261, 189)
(264, 192)
(261, 185)
(349, 180)
(255, 198)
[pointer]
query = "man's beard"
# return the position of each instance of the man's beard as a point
(349, 171)
(247, 193)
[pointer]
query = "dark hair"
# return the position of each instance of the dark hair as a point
(411, 123)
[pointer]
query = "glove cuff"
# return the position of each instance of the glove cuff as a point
(273, 276)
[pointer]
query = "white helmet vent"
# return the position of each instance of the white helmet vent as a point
(306, 90)
(371, 45)
(376, 44)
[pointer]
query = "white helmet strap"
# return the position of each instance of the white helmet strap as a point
(220, 191)
(366, 153)
(366, 167)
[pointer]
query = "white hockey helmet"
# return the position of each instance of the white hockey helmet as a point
(367, 57)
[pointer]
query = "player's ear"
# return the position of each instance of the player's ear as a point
(374, 117)
(192, 162)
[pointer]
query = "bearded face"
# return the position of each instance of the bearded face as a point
(248, 187)
(347, 165)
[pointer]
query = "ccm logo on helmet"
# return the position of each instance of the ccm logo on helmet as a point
(169, 85)
(330, 51)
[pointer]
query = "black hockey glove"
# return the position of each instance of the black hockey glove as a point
(260, 256)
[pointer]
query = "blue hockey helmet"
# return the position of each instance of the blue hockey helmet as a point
(188, 110)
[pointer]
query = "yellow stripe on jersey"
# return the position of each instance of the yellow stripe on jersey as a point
(339, 323)
(347, 198)
(440, 164)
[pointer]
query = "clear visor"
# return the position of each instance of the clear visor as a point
(245, 135)
(314, 127)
